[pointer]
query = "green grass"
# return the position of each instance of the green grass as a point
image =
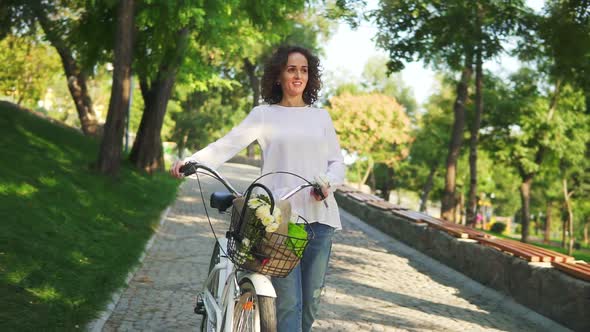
(577, 254)
(68, 235)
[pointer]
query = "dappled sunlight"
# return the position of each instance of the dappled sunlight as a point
(189, 199)
(22, 190)
(183, 218)
(400, 295)
(48, 147)
(366, 275)
(45, 293)
(72, 233)
(382, 312)
(48, 181)
(79, 258)
(16, 277)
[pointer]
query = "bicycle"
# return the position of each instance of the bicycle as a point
(238, 294)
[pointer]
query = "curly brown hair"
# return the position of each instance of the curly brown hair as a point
(272, 93)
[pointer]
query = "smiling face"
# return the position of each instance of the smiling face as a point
(294, 76)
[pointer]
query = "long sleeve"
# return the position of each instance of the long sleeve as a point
(336, 168)
(220, 151)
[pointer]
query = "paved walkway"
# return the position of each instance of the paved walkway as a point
(375, 283)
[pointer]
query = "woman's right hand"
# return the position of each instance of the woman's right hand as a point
(175, 168)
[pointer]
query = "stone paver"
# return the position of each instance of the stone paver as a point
(375, 283)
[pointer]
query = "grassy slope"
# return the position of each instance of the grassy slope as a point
(68, 235)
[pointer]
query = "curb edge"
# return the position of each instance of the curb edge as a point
(97, 324)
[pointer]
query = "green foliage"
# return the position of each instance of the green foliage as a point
(206, 116)
(371, 125)
(558, 39)
(431, 141)
(444, 32)
(522, 122)
(68, 236)
(376, 79)
(25, 64)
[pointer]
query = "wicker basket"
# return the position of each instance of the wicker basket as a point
(273, 254)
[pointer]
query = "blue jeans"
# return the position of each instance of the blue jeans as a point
(298, 294)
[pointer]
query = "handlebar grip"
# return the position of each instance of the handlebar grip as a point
(189, 168)
(318, 191)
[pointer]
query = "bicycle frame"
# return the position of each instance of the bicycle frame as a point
(220, 310)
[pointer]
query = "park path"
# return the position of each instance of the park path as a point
(374, 283)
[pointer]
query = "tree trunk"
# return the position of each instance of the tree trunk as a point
(472, 196)
(570, 217)
(427, 188)
(448, 200)
(147, 151)
(182, 144)
(358, 174)
(369, 170)
(586, 226)
(109, 159)
(547, 238)
(373, 181)
(563, 233)
(458, 212)
(527, 177)
(525, 197)
(250, 69)
(387, 185)
(75, 76)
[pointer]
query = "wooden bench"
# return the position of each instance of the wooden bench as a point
(362, 197)
(578, 270)
(409, 215)
(451, 228)
(458, 230)
(381, 205)
(346, 189)
(385, 206)
(526, 251)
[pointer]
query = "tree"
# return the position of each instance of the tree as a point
(168, 35)
(371, 126)
(58, 25)
(556, 41)
(453, 34)
(77, 30)
(528, 126)
(110, 149)
(377, 79)
(207, 116)
(431, 138)
(162, 41)
(27, 62)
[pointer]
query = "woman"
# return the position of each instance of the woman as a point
(298, 138)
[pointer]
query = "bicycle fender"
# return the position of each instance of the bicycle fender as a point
(262, 284)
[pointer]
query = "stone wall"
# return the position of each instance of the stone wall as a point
(538, 286)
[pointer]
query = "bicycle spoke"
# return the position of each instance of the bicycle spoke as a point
(245, 315)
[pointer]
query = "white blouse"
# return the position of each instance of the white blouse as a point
(301, 140)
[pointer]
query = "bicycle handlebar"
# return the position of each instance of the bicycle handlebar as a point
(192, 167)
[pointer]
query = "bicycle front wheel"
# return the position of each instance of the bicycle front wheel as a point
(206, 326)
(254, 312)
